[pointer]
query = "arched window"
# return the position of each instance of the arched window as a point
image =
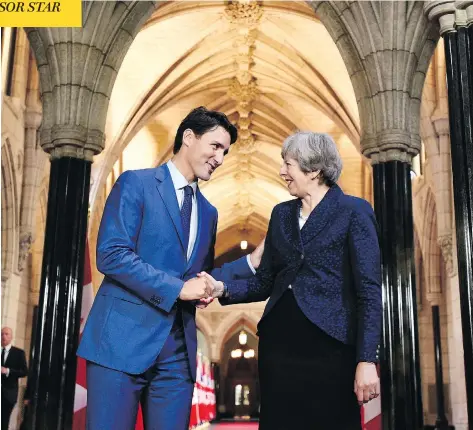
(246, 395)
(238, 390)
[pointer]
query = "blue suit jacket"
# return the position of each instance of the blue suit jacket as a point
(333, 265)
(140, 251)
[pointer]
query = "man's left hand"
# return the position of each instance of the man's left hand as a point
(4, 370)
(256, 255)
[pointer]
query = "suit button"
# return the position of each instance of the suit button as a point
(302, 256)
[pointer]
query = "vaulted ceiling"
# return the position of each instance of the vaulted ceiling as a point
(270, 66)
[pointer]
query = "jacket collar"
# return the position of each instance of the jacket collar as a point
(317, 220)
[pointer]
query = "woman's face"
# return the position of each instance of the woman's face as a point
(297, 181)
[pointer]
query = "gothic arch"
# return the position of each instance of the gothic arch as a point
(99, 48)
(203, 325)
(9, 211)
(360, 30)
(229, 326)
(433, 257)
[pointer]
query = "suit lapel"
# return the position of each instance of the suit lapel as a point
(320, 216)
(291, 226)
(168, 194)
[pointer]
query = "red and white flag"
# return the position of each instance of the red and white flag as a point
(213, 400)
(371, 414)
(80, 398)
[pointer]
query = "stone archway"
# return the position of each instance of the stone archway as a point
(386, 63)
(239, 387)
(228, 326)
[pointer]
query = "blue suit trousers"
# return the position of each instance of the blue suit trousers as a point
(164, 391)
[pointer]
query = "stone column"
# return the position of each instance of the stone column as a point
(400, 365)
(456, 27)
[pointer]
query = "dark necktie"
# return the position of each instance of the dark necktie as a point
(186, 211)
(3, 356)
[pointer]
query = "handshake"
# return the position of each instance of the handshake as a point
(202, 289)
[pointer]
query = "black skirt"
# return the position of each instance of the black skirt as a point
(306, 376)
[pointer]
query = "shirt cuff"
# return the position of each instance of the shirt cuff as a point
(248, 259)
(225, 291)
(8, 373)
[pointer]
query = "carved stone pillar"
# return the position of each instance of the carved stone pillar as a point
(244, 18)
(33, 166)
(442, 178)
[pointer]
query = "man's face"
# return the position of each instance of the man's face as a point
(7, 335)
(206, 153)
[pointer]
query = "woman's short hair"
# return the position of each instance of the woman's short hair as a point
(313, 152)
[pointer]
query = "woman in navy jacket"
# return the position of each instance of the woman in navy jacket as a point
(321, 270)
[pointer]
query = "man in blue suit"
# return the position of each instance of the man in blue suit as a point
(157, 232)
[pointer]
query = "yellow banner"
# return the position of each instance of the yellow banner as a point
(60, 13)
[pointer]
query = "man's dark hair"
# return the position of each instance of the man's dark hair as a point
(201, 120)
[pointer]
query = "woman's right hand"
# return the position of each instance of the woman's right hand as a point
(216, 286)
(366, 382)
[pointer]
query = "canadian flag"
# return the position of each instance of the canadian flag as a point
(371, 415)
(213, 400)
(80, 398)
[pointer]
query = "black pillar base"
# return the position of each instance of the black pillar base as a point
(459, 60)
(400, 366)
(52, 375)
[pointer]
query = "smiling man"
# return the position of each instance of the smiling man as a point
(157, 233)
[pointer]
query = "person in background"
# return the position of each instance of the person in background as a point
(13, 368)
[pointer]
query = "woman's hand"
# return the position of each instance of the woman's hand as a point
(216, 286)
(366, 382)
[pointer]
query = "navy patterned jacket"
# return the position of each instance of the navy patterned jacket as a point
(333, 264)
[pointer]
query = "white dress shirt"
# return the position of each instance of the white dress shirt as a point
(179, 182)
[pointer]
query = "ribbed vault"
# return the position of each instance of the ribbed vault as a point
(271, 67)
